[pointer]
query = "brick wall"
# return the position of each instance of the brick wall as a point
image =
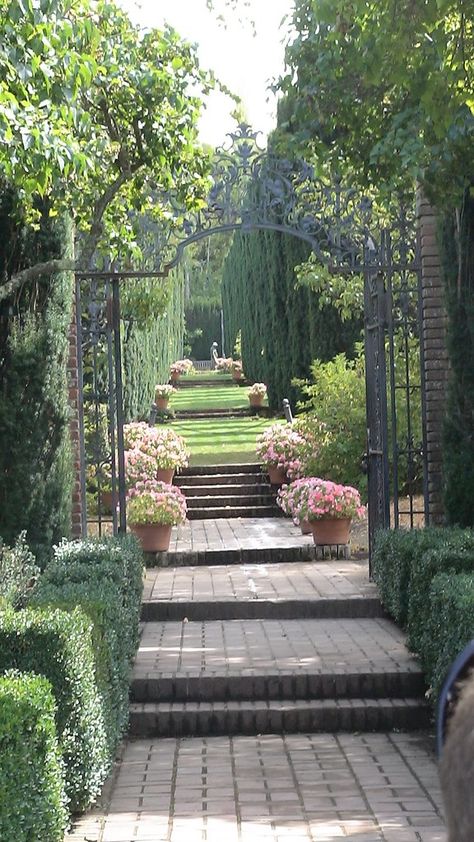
(435, 353)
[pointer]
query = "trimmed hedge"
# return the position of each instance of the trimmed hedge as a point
(396, 552)
(59, 646)
(31, 773)
(18, 572)
(450, 624)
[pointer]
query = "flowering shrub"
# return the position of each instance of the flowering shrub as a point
(312, 498)
(224, 364)
(258, 390)
(281, 446)
(164, 390)
(236, 367)
(181, 367)
(148, 448)
(156, 502)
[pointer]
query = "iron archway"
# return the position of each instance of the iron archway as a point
(252, 189)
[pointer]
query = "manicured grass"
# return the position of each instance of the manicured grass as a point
(210, 397)
(214, 441)
(218, 376)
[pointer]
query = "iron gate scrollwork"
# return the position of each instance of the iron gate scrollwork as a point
(252, 189)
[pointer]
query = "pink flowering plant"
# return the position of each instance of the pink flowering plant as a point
(281, 446)
(313, 498)
(257, 390)
(149, 448)
(181, 367)
(150, 501)
(164, 390)
(224, 364)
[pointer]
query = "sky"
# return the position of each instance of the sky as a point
(244, 62)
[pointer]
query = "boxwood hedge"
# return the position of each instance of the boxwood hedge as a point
(33, 805)
(450, 624)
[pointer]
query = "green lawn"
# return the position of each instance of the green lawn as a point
(214, 441)
(218, 376)
(210, 397)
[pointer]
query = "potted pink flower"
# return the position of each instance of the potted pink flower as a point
(280, 448)
(178, 368)
(256, 394)
(153, 508)
(163, 392)
(328, 506)
(152, 453)
(237, 371)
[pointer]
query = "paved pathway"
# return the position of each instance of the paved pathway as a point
(318, 788)
(242, 533)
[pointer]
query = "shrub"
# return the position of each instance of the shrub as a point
(31, 773)
(457, 557)
(18, 572)
(58, 645)
(100, 599)
(396, 551)
(449, 625)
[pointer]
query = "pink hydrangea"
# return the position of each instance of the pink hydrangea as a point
(312, 498)
(150, 501)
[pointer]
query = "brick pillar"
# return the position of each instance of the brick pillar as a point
(78, 515)
(435, 353)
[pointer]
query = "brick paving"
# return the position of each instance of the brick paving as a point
(317, 788)
(253, 647)
(295, 580)
(243, 533)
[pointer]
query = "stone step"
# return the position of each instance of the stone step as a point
(210, 470)
(241, 555)
(227, 489)
(261, 609)
(193, 719)
(233, 511)
(183, 414)
(277, 686)
(231, 501)
(206, 480)
(209, 382)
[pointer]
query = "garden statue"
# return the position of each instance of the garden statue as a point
(214, 356)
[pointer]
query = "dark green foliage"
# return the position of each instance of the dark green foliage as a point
(31, 775)
(150, 345)
(283, 328)
(203, 327)
(35, 460)
(449, 626)
(18, 572)
(437, 610)
(456, 557)
(458, 446)
(104, 578)
(396, 553)
(59, 646)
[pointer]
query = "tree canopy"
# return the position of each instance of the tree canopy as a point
(384, 89)
(97, 118)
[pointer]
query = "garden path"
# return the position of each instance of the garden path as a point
(267, 699)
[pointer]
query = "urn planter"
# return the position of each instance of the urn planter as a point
(277, 475)
(165, 475)
(256, 401)
(162, 403)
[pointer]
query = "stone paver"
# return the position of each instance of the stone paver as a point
(316, 788)
(251, 647)
(238, 533)
(294, 580)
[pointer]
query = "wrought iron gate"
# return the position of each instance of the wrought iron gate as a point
(253, 190)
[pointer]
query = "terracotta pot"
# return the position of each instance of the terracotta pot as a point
(175, 378)
(237, 375)
(154, 537)
(277, 475)
(165, 475)
(106, 502)
(256, 400)
(305, 527)
(331, 530)
(161, 403)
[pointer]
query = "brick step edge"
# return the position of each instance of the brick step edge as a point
(203, 513)
(263, 609)
(248, 480)
(241, 555)
(267, 687)
(238, 468)
(228, 718)
(251, 490)
(229, 501)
